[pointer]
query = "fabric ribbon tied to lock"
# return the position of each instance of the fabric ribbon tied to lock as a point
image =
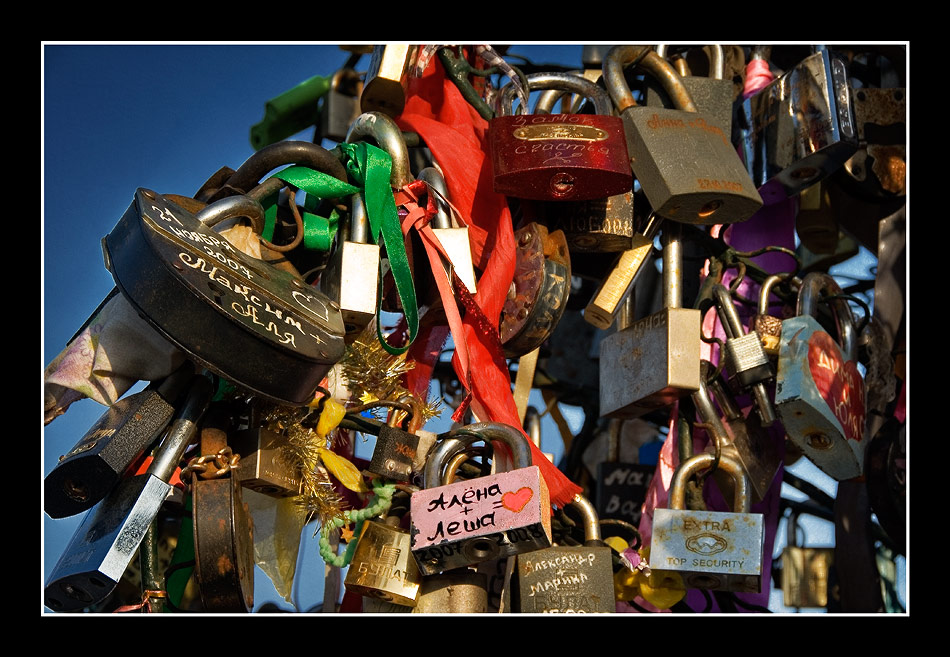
(456, 135)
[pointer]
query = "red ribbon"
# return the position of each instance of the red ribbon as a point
(457, 137)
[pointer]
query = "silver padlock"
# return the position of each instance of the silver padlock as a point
(711, 550)
(453, 238)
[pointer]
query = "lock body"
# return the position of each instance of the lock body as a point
(383, 567)
(805, 576)
(600, 225)
(387, 79)
(459, 591)
(800, 128)
(819, 397)
(541, 287)
(651, 364)
(622, 490)
(566, 580)
(263, 466)
(212, 301)
(88, 471)
(709, 549)
(468, 522)
(224, 545)
(395, 454)
(559, 157)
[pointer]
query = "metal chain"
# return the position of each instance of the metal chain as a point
(212, 466)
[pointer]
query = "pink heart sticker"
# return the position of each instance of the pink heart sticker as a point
(515, 501)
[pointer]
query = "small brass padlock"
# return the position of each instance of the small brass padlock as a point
(805, 570)
(709, 549)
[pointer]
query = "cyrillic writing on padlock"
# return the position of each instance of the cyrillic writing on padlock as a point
(471, 521)
(382, 565)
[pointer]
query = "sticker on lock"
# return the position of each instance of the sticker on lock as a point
(473, 521)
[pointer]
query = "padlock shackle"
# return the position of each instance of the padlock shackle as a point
(589, 517)
(548, 97)
(561, 81)
(620, 57)
(443, 217)
(183, 428)
(717, 67)
(791, 530)
(818, 284)
(443, 451)
(766, 290)
(532, 425)
(302, 153)
(688, 468)
(702, 399)
(359, 220)
(232, 207)
(728, 315)
(378, 127)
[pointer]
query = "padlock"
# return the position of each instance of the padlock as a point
(341, 105)
(212, 301)
(396, 454)
(799, 129)
(805, 570)
(387, 79)
(567, 579)
(481, 519)
(292, 111)
(265, 464)
(712, 94)
(88, 471)
(457, 591)
(593, 226)
(110, 534)
(351, 277)
(453, 238)
(382, 567)
(539, 290)
(819, 391)
(559, 157)
(603, 307)
(654, 361)
(744, 356)
(685, 162)
(621, 486)
(714, 550)
(736, 436)
(223, 530)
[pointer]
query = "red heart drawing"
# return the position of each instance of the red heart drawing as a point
(515, 501)
(839, 383)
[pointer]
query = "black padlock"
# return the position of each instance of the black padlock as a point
(242, 318)
(87, 472)
(110, 534)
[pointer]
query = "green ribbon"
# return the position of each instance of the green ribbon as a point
(318, 231)
(371, 167)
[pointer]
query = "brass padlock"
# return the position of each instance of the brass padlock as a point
(568, 579)
(710, 549)
(685, 162)
(382, 566)
(805, 570)
(559, 157)
(387, 79)
(468, 522)
(655, 360)
(265, 464)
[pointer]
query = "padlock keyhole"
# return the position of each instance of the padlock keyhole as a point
(562, 184)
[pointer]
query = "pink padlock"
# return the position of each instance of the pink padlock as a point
(469, 522)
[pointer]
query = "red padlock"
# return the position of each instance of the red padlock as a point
(559, 157)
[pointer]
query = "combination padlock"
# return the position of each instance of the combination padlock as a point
(715, 550)
(468, 522)
(684, 161)
(819, 391)
(559, 157)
